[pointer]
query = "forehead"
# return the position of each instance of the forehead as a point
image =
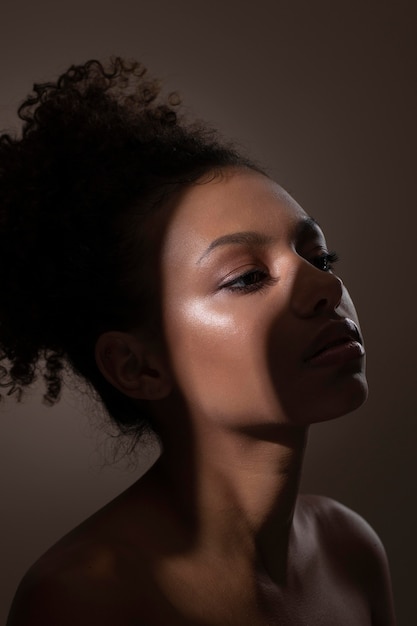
(235, 201)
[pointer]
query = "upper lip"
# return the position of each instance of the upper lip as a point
(333, 333)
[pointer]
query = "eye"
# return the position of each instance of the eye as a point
(325, 261)
(250, 281)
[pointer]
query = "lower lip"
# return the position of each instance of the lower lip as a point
(337, 355)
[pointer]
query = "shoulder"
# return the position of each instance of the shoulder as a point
(349, 542)
(338, 525)
(79, 586)
(333, 518)
(66, 590)
(102, 572)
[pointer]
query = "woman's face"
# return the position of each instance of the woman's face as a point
(259, 329)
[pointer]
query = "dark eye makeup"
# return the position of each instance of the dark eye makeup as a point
(255, 280)
(251, 281)
(325, 261)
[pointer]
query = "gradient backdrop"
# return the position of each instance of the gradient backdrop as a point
(324, 94)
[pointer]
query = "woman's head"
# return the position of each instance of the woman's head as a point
(99, 153)
(121, 249)
(258, 328)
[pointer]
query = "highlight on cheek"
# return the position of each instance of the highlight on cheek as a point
(202, 312)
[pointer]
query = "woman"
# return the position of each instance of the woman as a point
(197, 299)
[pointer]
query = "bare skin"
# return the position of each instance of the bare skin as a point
(215, 532)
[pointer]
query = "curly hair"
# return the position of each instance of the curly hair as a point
(99, 149)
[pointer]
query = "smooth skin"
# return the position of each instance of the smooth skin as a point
(215, 533)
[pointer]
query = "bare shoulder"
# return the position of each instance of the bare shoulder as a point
(352, 545)
(336, 521)
(97, 574)
(76, 586)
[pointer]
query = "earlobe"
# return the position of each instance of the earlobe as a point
(131, 367)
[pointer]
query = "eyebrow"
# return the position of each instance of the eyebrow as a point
(304, 229)
(248, 237)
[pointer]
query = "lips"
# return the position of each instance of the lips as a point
(337, 341)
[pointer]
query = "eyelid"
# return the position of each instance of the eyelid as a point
(264, 281)
(241, 270)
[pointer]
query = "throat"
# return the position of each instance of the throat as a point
(239, 500)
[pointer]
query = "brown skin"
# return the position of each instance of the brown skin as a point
(214, 533)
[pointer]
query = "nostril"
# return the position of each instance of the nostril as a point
(321, 305)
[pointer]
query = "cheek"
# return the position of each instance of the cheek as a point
(197, 315)
(219, 357)
(201, 336)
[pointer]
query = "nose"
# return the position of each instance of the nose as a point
(315, 291)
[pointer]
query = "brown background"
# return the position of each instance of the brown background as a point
(324, 94)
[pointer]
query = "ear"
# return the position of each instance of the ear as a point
(135, 369)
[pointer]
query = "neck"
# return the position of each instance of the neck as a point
(238, 490)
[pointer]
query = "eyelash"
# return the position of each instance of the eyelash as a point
(323, 262)
(328, 259)
(264, 281)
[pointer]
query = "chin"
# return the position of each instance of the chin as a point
(343, 400)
